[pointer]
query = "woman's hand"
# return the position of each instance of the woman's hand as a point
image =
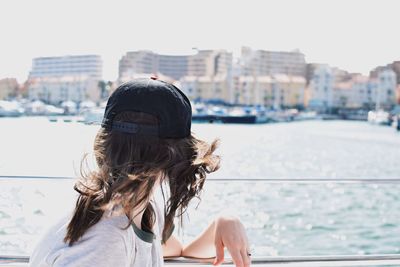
(223, 232)
(230, 233)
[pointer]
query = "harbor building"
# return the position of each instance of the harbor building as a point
(398, 95)
(137, 62)
(200, 88)
(145, 61)
(277, 91)
(54, 90)
(67, 78)
(210, 63)
(263, 62)
(78, 65)
(331, 88)
(367, 92)
(209, 76)
(8, 88)
(395, 66)
(205, 63)
(386, 93)
(173, 66)
(358, 92)
(320, 90)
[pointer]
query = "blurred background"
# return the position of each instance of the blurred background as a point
(295, 90)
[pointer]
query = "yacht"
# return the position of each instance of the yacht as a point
(93, 115)
(380, 117)
(10, 109)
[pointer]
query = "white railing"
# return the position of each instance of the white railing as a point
(290, 261)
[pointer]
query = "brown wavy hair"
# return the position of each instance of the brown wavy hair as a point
(129, 166)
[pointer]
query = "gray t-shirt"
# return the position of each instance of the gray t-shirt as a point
(107, 243)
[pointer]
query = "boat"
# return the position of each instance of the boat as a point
(70, 107)
(51, 110)
(35, 108)
(307, 115)
(379, 117)
(10, 109)
(248, 119)
(202, 113)
(396, 122)
(239, 115)
(93, 116)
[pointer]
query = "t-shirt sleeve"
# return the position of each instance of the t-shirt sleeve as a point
(105, 247)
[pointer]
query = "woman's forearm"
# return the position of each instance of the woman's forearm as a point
(203, 245)
(172, 248)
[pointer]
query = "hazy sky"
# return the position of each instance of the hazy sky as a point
(356, 35)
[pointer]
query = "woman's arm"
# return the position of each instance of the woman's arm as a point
(203, 245)
(223, 232)
(172, 247)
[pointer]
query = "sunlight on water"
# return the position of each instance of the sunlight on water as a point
(282, 219)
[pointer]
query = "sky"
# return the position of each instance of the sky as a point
(355, 35)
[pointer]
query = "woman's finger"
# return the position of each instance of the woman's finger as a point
(236, 257)
(246, 258)
(219, 251)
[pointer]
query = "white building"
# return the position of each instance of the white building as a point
(57, 79)
(276, 91)
(55, 90)
(320, 91)
(80, 65)
(203, 63)
(262, 62)
(210, 63)
(207, 88)
(328, 89)
(346, 94)
(386, 92)
(365, 92)
(209, 76)
(144, 61)
(8, 87)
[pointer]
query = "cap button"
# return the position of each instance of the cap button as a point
(154, 77)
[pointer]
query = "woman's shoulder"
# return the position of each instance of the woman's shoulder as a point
(108, 236)
(118, 223)
(115, 227)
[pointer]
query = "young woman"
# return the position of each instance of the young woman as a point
(144, 149)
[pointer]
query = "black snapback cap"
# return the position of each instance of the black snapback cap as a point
(158, 98)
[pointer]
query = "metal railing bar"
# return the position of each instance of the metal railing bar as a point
(270, 180)
(334, 260)
(36, 177)
(360, 260)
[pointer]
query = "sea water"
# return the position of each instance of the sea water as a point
(281, 218)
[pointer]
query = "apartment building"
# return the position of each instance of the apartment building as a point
(144, 61)
(330, 89)
(77, 65)
(263, 62)
(276, 91)
(54, 90)
(8, 88)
